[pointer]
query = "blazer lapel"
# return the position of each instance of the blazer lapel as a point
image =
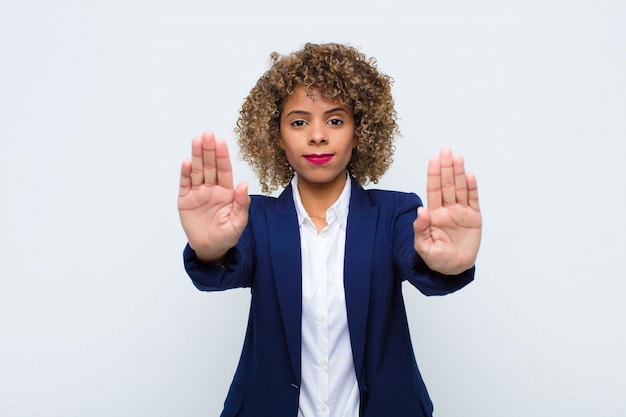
(360, 233)
(285, 249)
(284, 241)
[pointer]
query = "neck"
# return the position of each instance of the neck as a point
(317, 198)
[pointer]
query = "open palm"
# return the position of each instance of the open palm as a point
(448, 232)
(212, 212)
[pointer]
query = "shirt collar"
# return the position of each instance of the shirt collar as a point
(339, 208)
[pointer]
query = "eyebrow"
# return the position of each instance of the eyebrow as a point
(306, 113)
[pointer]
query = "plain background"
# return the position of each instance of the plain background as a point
(98, 105)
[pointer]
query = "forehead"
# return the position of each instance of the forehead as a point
(312, 99)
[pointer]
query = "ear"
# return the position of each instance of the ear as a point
(280, 142)
(354, 141)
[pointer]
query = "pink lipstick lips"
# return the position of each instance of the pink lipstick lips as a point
(319, 159)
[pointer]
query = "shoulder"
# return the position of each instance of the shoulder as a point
(284, 201)
(281, 205)
(391, 200)
(261, 204)
(262, 200)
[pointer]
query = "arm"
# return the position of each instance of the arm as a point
(235, 271)
(411, 266)
(447, 233)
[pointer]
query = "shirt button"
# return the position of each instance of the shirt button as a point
(321, 317)
(323, 407)
(323, 362)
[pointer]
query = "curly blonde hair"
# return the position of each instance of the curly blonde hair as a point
(338, 73)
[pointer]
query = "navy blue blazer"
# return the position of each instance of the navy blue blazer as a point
(379, 256)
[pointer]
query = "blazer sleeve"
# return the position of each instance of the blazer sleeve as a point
(236, 272)
(411, 266)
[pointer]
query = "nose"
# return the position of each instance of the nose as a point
(318, 134)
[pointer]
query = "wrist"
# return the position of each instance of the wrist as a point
(212, 257)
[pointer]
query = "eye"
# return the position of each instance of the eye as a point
(335, 122)
(298, 123)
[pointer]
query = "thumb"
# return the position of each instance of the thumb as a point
(241, 202)
(421, 228)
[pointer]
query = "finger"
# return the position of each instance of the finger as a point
(185, 178)
(472, 190)
(448, 191)
(223, 166)
(460, 183)
(433, 185)
(209, 165)
(197, 175)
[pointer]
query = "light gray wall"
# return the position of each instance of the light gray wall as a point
(99, 102)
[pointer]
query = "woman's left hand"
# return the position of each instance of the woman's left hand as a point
(447, 233)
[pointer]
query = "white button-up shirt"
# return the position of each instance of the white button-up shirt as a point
(329, 387)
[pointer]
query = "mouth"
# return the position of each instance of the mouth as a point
(319, 159)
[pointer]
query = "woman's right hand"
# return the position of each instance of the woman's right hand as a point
(212, 212)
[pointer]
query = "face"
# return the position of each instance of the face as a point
(317, 136)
